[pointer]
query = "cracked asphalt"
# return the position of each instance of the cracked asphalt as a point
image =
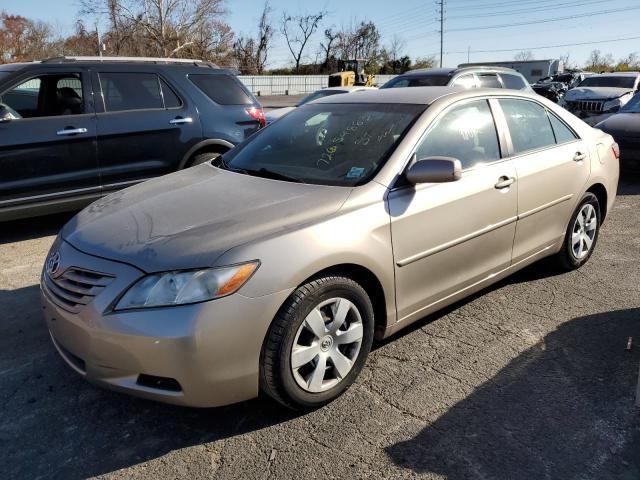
(528, 379)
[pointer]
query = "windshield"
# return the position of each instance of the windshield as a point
(632, 106)
(609, 81)
(418, 81)
(326, 144)
(319, 94)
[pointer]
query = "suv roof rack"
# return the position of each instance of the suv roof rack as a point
(67, 59)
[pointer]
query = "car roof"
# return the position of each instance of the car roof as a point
(450, 71)
(412, 95)
(618, 74)
(347, 89)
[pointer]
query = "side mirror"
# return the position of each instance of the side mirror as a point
(434, 170)
(5, 114)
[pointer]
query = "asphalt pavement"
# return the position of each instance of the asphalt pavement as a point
(529, 379)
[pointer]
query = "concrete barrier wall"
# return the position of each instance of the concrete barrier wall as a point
(291, 84)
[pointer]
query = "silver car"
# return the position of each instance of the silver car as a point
(273, 269)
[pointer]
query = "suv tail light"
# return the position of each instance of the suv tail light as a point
(616, 150)
(257, 114)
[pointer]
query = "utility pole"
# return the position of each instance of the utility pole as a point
(99, 40)
(440, 4)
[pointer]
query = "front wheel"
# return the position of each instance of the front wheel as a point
(318, 343)
(582, 233)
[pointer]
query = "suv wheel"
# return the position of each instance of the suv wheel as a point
(318, 343)
(582, 233)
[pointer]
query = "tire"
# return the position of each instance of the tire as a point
(285, 373)
(203, 158)
(568, 258)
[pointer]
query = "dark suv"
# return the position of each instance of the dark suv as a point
(75, 128)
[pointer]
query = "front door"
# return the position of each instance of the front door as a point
(47, 147)
(552, 164)
(449, 236)
(144, 127)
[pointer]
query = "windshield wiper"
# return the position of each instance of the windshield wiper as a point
(266, 173)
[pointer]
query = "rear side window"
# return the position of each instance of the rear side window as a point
(514, 82)
(529, 125)
(130, 91)
(489, 81)
(222, 89)
(562, 132)
(466, 132)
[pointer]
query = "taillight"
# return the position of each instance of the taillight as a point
(616, 150)
(257, 114)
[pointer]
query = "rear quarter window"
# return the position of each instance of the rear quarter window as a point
(222, 89)
(513, 82)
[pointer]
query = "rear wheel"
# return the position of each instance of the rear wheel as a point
(582, 233)
(318, 343)
(203, 158)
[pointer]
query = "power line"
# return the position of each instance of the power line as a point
(532, 9)
(546, 20)
(500, 4)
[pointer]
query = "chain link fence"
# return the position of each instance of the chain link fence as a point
(292, 84)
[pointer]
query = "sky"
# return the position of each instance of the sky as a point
(475, 30)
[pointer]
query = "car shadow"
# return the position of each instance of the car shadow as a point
(554, 411)
(31, 228)
(53, 424)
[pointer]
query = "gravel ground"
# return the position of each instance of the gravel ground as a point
(529, 379)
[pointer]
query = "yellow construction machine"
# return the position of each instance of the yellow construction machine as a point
(351, 74)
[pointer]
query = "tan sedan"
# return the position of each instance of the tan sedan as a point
(350, 218)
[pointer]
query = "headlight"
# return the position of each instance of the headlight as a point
(614, 104)
(186, 286)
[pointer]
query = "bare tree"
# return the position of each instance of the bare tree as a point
(598, 62)
(566, 62)
(297, 30)
(328, 45)
(22, 39)
(251, 53)
(523, 56)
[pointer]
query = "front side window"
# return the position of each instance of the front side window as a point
(514, 82)
(327, 144)
(130, 91)
(528, 124)
(45, 96)
(464, 81)
(466, 132)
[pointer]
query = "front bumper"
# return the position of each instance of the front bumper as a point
(210, 350)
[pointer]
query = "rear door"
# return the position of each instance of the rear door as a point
(48, 151)
(145, 126)
(553, 166)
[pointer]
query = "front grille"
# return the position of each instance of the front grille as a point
(592, 106)
(75, 287)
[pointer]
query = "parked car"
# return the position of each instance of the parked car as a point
(556, 86)
(599, 96)
(273, 268)
(466, 77)
(73, 129)
(624, 126)
(273, 115)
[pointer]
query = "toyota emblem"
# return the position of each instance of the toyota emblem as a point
(53, 263)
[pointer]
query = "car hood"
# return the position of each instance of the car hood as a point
(189, 218)
(622, 124)
(595, 93)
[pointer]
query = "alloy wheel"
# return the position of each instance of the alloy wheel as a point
(584, 231)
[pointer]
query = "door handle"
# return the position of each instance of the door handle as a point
(71, 131)
(504, 182)
(579, 156)
(181, 120)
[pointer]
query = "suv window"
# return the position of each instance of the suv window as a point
(46, 96)
(464, 81)
(562, 132)
(171, 100)
(427, 80)
(222, 89)
(528, 124)
(512, 81)
(489, 81)
(130, 91)
(466, 132)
